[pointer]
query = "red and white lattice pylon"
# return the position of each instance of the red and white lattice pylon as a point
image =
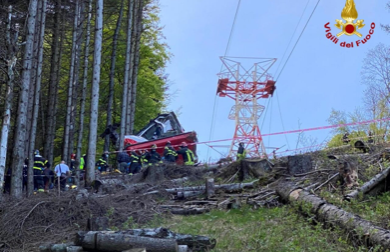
(246, 85)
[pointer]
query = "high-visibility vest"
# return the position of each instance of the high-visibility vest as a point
(241, 156)
(82, 162)
(170, 152)
(190, 157)
(39, 163)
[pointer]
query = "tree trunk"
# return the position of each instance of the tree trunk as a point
(38, 79)
(197, 190)
(118, 242)
(189, 211)
(95, 92)
(134, 14)
(123, 130)
(11, 61)
(53, 85)
(76, 86)
(136, 65)
(85, 81)
(335, 216)
(20, 136)
(375, 181)
(33, 76)
(112, 76)
(194, 242)
(65, 151)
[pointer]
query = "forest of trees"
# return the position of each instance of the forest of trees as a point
(70, 68)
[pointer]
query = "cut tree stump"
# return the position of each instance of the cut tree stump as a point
(98, 224)
(332, 215)
(299, 164)
(348, 173)
(376, 181)
(210, 190)
(254, 168)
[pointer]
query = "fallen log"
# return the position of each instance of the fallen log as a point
(107, 185)
(181, 192)
(112, 185)
(180, 180)
(119, 241)
(368, 186)
(194, 242)
(308, 173)
(326, 182)
(201, 202)
(188, 194)
(226, 187)
(135, 250)
(183, 248)
(332, 215)
(189, 211)
(74, 249)
(59, 247)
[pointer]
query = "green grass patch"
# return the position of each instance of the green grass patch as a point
(246, 229)
(374, 209)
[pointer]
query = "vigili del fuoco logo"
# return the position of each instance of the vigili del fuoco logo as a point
(350, 27)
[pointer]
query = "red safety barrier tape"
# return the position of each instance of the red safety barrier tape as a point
(281, 133)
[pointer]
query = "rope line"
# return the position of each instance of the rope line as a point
(304, 28)
(280, 133)
(215, 106)
(295, 31)
(281, 119)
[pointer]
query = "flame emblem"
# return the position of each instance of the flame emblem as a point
(349, 14)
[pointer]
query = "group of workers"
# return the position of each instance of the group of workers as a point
(346, 139)
(45, 178)
(133, 162)
(130, 162)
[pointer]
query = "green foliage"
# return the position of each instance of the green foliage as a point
(276, 229)
(110, 212)
(337, 140)
(129, 224)
(152, 81)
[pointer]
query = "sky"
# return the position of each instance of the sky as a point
(319, 75)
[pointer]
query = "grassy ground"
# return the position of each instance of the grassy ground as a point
(277, 229)
(374, 209)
